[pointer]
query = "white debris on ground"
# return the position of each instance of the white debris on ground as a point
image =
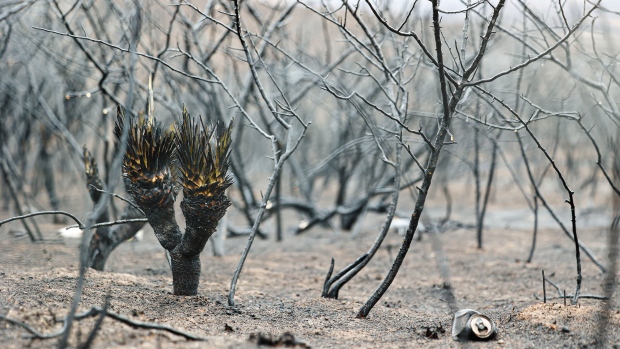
(70, 233)
(402, 224)
(76, 233)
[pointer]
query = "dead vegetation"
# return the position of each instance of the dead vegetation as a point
(490, 128)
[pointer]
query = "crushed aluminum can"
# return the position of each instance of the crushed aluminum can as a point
(470, 324)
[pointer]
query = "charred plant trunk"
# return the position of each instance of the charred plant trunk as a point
(185, 274)
(105, 241)
(201, 225)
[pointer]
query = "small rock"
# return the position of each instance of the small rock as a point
(285, 340)
(501, 341)
(565, 329)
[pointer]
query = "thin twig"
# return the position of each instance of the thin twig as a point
(531, 256)
(80, 224)
(570, 201)
(94, 311)
(540, 55)
(584, 296)
(118, 197)
(544, 281)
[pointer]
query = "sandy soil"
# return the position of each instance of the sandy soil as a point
(280, 287)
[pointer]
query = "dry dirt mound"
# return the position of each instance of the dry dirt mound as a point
(568, 318)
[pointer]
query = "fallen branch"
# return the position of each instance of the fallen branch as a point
(94, 311)
(585, 296)
(79, 223)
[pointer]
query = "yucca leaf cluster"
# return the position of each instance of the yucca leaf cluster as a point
(198, 153)
(203, 157)
(148, 160)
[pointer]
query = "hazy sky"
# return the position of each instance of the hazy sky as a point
(545, 8)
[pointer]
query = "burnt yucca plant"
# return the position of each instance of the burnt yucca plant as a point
(106, 239)
(93, 182)
(202, 156)
(203, 166)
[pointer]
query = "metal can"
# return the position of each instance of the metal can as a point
(470, 324)
(481, 327)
